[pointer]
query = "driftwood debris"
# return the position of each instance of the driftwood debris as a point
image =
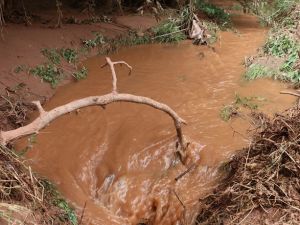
(45, 117)
(197, 31)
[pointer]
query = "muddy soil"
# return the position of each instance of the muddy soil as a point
(22, 46)
(120, 161)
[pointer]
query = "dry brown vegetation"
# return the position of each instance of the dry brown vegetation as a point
(25, 198)
(264, 178)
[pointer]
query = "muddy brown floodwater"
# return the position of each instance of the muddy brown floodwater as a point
(120, 161)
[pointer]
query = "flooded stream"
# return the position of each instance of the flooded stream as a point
(120, 161)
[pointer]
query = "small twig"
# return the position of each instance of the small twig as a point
(246, 215)
(179, 199)
(113, 72)
(82, 214)
(185, 172)
(163, 35)
(10, 103)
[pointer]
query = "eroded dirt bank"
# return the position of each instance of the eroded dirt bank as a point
(120, 161)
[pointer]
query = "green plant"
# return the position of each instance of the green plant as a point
(217, 14)
(212, 29)
(47, 72)
(247, 102)
(255, 71)
(80, 74)
(70, 55)
(272, 12)
(291, 61)
(280, 45)
(52, 55)
(168, 31)
(291, 76)
(251, 102)
(92, 43)
(237, 7)
(68, 214)
(228, 111)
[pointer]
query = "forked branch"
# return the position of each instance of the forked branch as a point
(113, 72)
(46, 117)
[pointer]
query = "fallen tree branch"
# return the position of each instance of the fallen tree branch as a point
(46, 117)
(290, 93)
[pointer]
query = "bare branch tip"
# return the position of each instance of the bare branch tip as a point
(39, 106)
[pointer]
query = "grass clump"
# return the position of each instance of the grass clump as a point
(48, 72)
(247, 102)
(233, 109)
(281, 45)
(213, 12)
(228, 111)
(257, 71)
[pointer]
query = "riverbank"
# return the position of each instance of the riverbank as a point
(261, 182)
(102, 178)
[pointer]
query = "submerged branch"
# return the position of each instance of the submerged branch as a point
(290, 93)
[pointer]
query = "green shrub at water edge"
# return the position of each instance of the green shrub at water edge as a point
(80, 74)
(168, 31)
(47, 72)
(69, 54)
(68, 214)
(96, 41)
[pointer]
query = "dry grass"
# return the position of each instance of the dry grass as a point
(25, 198)
(265, 177)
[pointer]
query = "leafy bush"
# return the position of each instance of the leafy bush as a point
(214, 12)
(47, 72)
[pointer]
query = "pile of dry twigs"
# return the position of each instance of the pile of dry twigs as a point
(263, 179)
